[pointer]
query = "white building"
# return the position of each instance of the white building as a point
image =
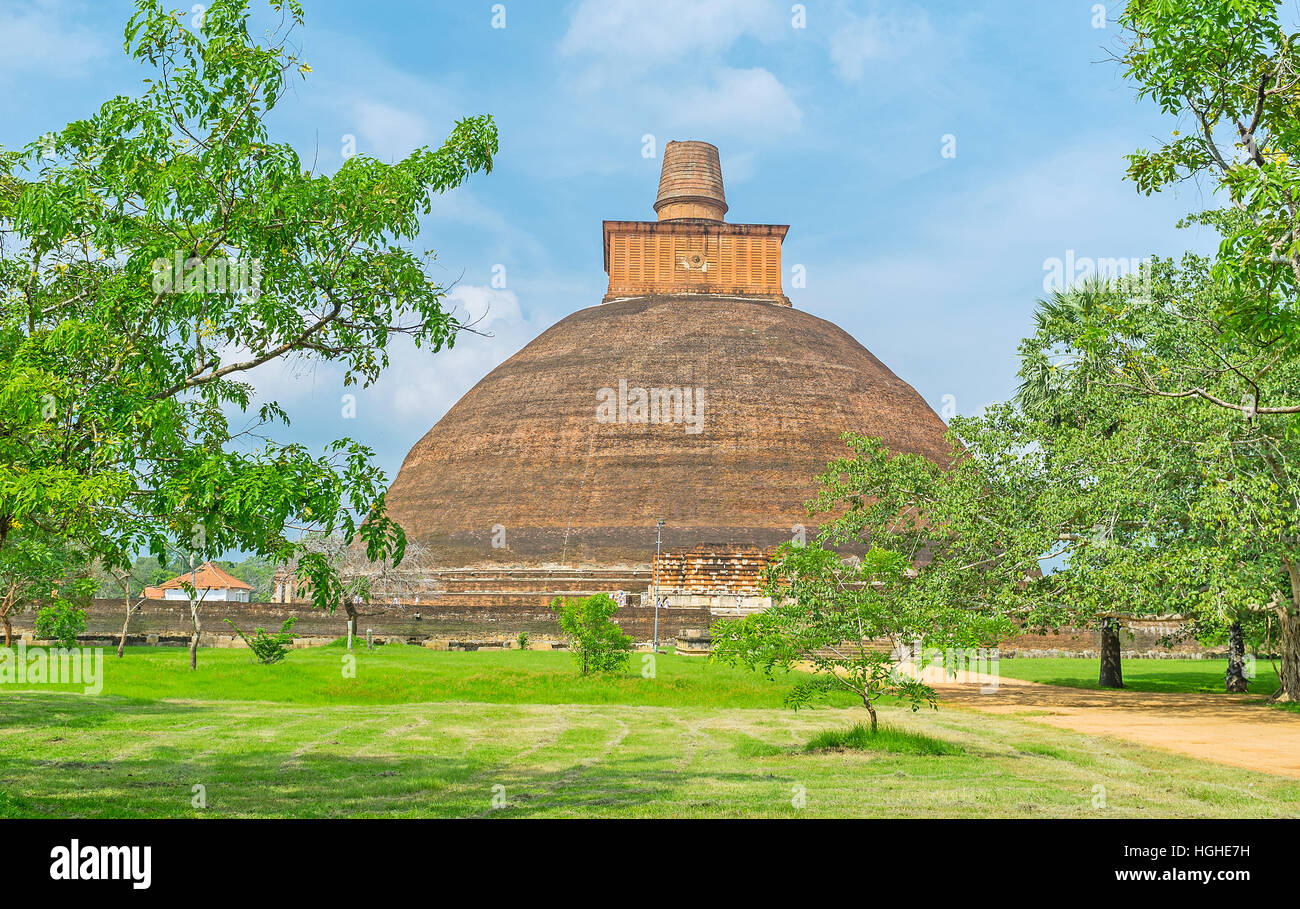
(211, 582)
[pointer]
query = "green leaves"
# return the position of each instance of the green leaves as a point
(1227, 68)
(597, 643)
(60, 621)
(922, 576)
(1177, 432)
(126, 337)
(268, 648)
(37, 570)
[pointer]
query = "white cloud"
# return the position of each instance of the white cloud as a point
(420, 386)
(45, 38)
(878, 39)
(743, 101)
(485, 308)
(355, 91)
(998, 234)
(414, 392)
(387, 132)
(464, 206)
(950, 306)
(678, 69)
(739, 167)
(635, 33)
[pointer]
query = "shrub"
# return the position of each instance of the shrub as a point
(598, 644)
(60, 622)
(267, 648)
(523, 640)
(885, 738)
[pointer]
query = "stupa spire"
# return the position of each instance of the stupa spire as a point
(690, 184)
(690, 250)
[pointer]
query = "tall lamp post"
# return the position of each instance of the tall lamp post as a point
(659, 529)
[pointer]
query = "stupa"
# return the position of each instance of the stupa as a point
(694, 393)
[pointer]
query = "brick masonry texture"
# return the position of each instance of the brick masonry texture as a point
(690, 182)
(682, 257)
(523, 449)
(166, 622)
(712, 569)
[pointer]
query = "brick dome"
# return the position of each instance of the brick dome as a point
(550, 454)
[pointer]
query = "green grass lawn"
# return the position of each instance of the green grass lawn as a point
(420, 733)
(403, 674)
(1139, 675)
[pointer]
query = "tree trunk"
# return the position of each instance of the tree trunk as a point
(1288, 615)
(1111, 675)
(121, 642)
(124, 581)
(9, 599)
(1236, 682)
(352, 622)
(1289, 648)
(194, 641)
(871, 710)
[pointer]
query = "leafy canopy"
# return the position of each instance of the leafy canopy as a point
(157, 251)
(1229, 71)
(1192, 467)
(598, 644)
(951, 560)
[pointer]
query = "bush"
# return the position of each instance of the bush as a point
(885, 738)
(598, 644)
(523, 640)
(267, 648)
(60, 622)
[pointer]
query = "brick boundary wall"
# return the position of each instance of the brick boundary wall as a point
(166, 623)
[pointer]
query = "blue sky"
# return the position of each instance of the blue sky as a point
(836, 128)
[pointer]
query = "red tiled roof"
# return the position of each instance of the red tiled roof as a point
(206, 575)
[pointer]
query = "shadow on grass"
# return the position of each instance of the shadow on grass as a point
(1142, 675)
(274, 783)
(243, 768)
(54, 709)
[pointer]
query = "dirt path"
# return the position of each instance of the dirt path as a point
(1239, 730)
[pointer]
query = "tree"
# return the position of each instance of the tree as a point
(132, 604)
(1230, 69)
(190, 586)
(1200, 498)
(145, 571)
(359, 579)
(831, 615)
(37, 569)
(156, 252)
(952, 560)
(597, 643)
(60, 621)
